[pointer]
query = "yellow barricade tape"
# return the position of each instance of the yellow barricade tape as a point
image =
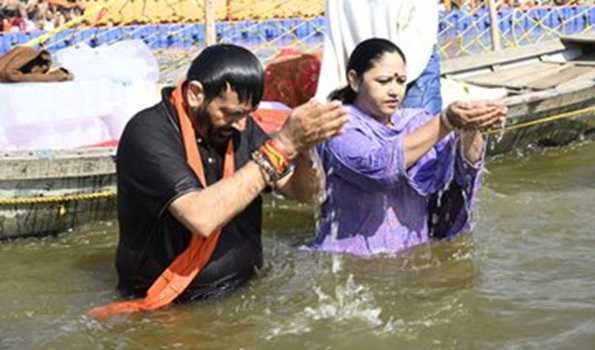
(58, 199)
(544, 120)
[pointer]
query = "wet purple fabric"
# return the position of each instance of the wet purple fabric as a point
(375, 205)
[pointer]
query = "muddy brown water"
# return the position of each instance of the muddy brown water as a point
(523, 279)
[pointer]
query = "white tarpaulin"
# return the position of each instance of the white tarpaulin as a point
(111, 84)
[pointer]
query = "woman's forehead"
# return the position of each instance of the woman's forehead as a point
(390, 59)
(390, 62)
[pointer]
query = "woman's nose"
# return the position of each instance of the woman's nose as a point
(393, 91)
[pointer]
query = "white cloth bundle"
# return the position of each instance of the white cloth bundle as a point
(111, 84)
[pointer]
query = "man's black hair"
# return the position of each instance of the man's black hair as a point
(223, 64)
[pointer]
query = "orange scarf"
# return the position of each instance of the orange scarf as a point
(182, 271)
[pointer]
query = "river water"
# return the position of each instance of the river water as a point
(523, 279)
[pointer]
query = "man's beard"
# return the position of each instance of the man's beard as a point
(216, 137)
(219, 137)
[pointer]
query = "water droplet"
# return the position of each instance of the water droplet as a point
(337, 263)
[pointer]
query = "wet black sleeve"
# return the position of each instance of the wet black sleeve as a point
(151, 164)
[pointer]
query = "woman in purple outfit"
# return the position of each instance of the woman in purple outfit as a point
(397, 177)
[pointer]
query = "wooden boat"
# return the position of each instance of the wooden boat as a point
(44, 193)
(549, 89)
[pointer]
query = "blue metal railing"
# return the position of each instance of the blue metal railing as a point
(454, 24)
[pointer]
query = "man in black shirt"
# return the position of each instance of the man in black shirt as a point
(162, 203)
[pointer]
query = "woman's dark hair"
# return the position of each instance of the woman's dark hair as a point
(361, 60)
(222, 64)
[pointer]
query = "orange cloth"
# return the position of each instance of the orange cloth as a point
(182, 271)
(271, 120)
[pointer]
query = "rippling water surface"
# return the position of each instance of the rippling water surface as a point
(523, 279)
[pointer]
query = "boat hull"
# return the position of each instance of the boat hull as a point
(49, 193)
(546, 121)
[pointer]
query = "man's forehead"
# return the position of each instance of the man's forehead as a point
(231, 100)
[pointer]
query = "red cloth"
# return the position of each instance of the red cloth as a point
(291, 78)
(19, 23)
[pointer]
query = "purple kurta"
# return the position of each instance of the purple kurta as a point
(374, 204)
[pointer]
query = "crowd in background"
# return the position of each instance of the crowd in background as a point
(474, 4)
(46, 15)
(31, 15)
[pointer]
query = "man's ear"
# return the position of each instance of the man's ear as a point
(353, 80)
(195, 95)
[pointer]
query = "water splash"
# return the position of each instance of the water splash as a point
(497, 138)
(350, 302)
(440, 195)
(334, 225)
(336, 258)
(500, 134)
(326, 193)
(337, 265)
(492, 145)
(318, 168)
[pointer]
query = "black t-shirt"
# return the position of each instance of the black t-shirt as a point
(152, 172)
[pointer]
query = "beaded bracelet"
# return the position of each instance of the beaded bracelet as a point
(273, 160)
(263, 163)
